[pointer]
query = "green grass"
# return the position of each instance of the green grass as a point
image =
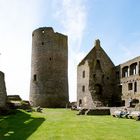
(62, 124)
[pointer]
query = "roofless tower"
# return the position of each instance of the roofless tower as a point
(49, 68)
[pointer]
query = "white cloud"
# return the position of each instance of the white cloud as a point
(18, 19)
(71, 15)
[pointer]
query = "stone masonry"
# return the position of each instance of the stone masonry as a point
(49, 69)
(3, 94)
(96, 80)
(130, 81)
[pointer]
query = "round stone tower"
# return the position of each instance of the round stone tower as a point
(49, 69)
(3, 94)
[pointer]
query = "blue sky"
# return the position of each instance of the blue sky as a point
(114, 22)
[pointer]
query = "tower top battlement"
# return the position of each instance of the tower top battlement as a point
(44, 29)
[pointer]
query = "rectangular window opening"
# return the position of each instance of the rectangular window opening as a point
(83, 88)
(130, 86)
(83, 74)
(135, 87)
(35, 77)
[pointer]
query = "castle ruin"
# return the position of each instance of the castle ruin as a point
(96, 80)
(49, 68)
(100, 83)
(129, 73)
(3, 93)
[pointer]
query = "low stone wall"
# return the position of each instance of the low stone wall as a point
(98, 112)
(113, 109)
(14, 98)
(103, 110)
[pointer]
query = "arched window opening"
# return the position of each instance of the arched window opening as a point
(125, 71)
(98, 65)
(133, 69)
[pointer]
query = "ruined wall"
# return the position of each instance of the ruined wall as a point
(3, 94)
(99, 81)
(83, 95)
(116, 98)
(49, 68)
(130, 80)
(101, 78)
(106, 84)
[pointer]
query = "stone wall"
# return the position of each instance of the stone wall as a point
(84, 98)
(106, 84)
(130, 80)
(49, 69)
(3, 94)
(97, 87)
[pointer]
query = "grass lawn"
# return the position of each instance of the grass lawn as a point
(62, 124)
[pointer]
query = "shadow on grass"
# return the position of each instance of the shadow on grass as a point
(18, 126)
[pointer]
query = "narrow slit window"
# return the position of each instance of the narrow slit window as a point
(83, 74)
(42, 43)
(35, 77)
(125, 71)
(135, 87)
(83, 88)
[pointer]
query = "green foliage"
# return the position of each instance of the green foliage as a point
(62, 124)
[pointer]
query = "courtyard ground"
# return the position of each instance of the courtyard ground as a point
(64, 124)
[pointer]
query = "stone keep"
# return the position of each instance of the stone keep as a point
(3, 94)
(49, 69)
